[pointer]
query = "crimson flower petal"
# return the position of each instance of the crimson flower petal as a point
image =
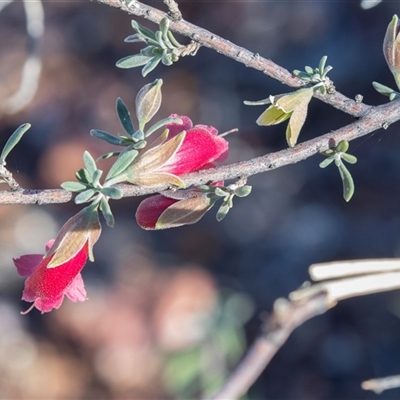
(176, 129)
(199, 148)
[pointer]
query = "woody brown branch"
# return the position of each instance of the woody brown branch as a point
(240, 54)
(376, 118)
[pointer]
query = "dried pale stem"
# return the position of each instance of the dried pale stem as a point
(33, 64)
(380, 385)
(303, 305)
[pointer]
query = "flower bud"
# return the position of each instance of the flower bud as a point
(391, 48)
(148, 101)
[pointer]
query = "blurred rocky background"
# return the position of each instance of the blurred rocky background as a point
(170, 312)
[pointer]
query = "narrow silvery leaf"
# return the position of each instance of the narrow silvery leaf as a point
(382, 89)
(124, 160)
(166, 58)
(309, 70)
(109, 155)
(164, 25)
(73, 186)
(326, 162)
(259, 102)
(142, 29)
(112, 192)
(138, 135)
(106, 137)
(140, 145)
(150, 51)
(243, 191)
(137, 60)
(223, 210)
(83, 176)
(134, 38)
(125, 117)
(151, 64)
(347, 180)
(160, 40)
(322, 63)
(349, 158)
(161, 123)
(84, 196)
(13, 140)
(366, 4)
(96, 178)
(89, 162)
(107, 214)
(220, 192)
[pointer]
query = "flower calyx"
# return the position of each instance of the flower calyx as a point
(338, 154)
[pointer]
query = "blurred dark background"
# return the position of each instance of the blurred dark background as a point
(170, 312)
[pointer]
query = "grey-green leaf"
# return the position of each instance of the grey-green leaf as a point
(73, 186)
(122, 163)
(142, 29)
(96, 177)
(125, 117)
(243, 191)
(83, 176)
(326, 162)
(111, 139)
(220, 192)
(223, 210)
(89, 162)
(106, 211)
(349, 158)
(151, 64)
(112, 192)
(13, 140)
(136, 60)
(84, 196)
(347, 180)
(109, 155)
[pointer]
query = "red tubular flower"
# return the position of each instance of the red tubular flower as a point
(187, 149)
(57, 273)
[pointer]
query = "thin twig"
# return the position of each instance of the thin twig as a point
(174, 11)
(240, 54)
(303, 305)
(7, 177)
(376, 117)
